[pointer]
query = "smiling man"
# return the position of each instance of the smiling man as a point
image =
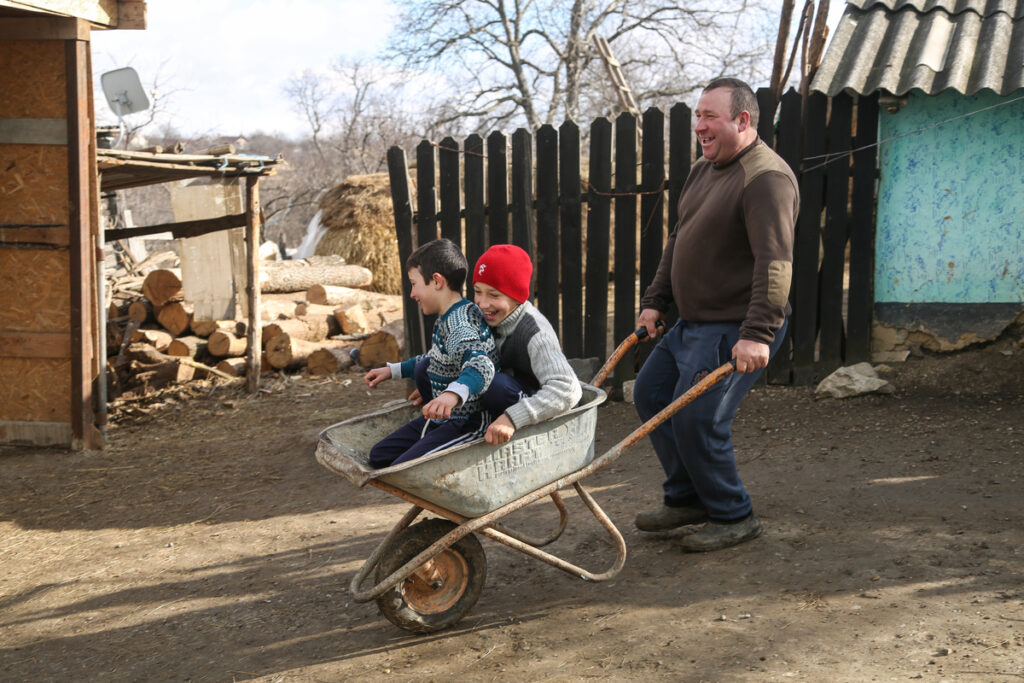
(727, 266)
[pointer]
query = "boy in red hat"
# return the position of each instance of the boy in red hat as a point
(536, 381)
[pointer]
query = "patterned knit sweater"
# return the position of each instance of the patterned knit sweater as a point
(530, 351)
(463, 357)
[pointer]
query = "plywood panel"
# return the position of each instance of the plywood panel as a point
(34, 184)
(34, 291)
(35, 390)
(35, 433)
(32, 79)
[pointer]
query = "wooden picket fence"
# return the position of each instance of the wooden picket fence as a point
(475, 195)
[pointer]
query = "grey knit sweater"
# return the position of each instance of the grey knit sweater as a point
(529, 350)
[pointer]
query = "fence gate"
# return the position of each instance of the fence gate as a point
(475, 195)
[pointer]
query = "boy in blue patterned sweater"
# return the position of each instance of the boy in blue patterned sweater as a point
(454, 373)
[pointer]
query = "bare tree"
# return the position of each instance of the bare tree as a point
(532, 61)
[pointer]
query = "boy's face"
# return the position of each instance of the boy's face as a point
(426, 293)
(495, 305)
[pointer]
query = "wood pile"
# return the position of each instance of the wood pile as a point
(318, 325)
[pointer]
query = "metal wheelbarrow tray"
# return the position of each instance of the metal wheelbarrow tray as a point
(429, 575)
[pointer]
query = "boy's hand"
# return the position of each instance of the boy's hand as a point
(441, 407)
(376, 376)
(415, 397)
(500, 431)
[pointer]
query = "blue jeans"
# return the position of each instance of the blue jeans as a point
(695, 447)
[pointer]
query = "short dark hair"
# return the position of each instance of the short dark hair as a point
(441, 257)
(742, 98)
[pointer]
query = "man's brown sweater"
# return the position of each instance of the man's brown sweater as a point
(730, 256)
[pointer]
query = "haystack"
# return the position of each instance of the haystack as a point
(360, 223)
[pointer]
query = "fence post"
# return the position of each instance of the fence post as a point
(476, 221)
(522, 195)
(625, 241)
(401, 201)
(451, 201)
(595, 323)
(861, 297)
(837, 184)
(426, 219)
(497, 188)
(572, 239)
(547, 224)
(808, 240)
(679, 153)
(652, 206)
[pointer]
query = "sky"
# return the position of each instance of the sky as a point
(222, 65)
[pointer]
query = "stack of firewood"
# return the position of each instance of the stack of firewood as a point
(331, 324)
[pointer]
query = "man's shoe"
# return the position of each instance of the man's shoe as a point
(665, 518)
(716, 535)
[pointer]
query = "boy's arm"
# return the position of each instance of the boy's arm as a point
(559, 391)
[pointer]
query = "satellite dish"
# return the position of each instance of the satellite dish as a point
(124, 91)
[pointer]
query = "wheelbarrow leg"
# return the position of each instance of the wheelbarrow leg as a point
(563, 520)
(375, 556)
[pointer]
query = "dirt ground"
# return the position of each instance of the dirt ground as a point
(206, 544)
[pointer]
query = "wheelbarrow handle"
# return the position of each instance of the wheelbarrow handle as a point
(629, 342)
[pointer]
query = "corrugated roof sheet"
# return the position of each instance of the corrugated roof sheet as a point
(931, 45)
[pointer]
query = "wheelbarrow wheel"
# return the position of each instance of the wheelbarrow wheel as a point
(442, 590)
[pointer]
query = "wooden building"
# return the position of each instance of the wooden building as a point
(49, 227)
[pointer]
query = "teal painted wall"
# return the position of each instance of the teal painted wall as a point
(950, 225)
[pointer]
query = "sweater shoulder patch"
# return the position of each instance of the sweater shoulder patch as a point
(760, 161)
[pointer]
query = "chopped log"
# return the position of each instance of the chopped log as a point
(113, 311)
(335, 296)
(175, 317)
(285, 352)
(188, 347)
(307, 328)
(352, 319)
(306, 308)
(158, 339)
(232, 366)
(276, 309)
(142, 311)
(223, 344)
(329, 360)
(162, 286)
(204, 328)
(275, 278)
(155, 376)
(386, 345)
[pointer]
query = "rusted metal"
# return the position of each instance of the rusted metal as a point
(620, 351)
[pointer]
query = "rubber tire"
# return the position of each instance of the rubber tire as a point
(410, 543)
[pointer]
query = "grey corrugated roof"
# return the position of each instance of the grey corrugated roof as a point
(931, 45)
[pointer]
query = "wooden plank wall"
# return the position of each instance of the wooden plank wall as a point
(48, 205)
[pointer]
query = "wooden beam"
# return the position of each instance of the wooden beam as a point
(102, 12)
(81, 244)
(35, 344)
(131, 14)
(43, 28)
(252, 286)
(180, 229)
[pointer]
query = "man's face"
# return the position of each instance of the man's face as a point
(721, 137)
(426, 293)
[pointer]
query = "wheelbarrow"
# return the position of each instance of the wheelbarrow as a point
(429, 575)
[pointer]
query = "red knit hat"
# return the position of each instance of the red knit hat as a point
(507, 268)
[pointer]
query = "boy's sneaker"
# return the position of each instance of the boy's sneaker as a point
(718, 535)
(665, 518)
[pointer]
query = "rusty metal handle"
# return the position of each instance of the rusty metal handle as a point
(629, 342)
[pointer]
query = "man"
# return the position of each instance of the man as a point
(727, 265)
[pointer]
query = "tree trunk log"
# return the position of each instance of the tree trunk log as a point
(352, 319)
(386, 345)
(232, 366)
(307, 328)
(162, 285)
(299, 279)
(204, 328)
(285, 352)
(306, 308)
(186, 347)
(175, 317)
(224, 344)
(142, 311)
(158, 339)
(327, 361)
(276, 309)
(328, 295)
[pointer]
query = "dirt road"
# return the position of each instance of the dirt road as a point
(206, 544)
